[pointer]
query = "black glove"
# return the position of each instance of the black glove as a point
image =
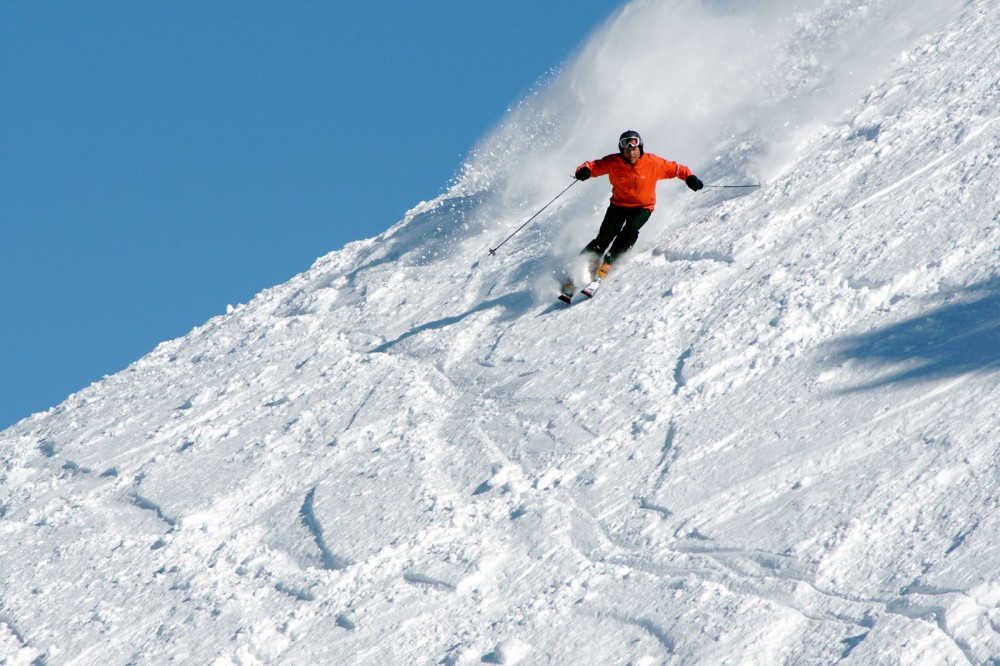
(583, 173)
(692, 182)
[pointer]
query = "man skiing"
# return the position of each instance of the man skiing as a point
(633, 174)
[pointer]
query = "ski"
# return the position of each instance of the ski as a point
(602, 273)
(568, 289)
(591, 289)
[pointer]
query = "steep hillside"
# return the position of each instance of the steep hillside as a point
(771, 438)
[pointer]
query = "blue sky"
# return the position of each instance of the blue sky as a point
(160, 160)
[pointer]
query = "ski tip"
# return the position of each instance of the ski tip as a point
(588, 293)
(565, 298)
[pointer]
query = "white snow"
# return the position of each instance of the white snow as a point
(771, 438)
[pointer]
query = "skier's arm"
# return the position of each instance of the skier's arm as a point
(594, 168)
(589, 169)
(670, 169)
(676, 170)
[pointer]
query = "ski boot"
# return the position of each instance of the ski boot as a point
(568, 289)
(602, 273)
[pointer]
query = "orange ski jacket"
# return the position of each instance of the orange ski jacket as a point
(635, 186)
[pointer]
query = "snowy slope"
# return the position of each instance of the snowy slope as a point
(770, 439)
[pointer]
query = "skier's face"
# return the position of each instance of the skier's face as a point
(631, 154)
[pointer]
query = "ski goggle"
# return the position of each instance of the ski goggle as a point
(629, 142)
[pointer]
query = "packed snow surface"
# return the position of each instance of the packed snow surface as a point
(771, 438)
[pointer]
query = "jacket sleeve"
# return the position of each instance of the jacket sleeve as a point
(598, 167)
(670, 169)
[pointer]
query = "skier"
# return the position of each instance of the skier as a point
(633, 174)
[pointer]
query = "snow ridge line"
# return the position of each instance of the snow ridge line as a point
(329, 560)
(679, 370)
(429, 581)
(667, 457)
(14, 631)
(147, 504)
(937, 616)
(294, 592)
(647, 625)
(759, 574)
(903, 181)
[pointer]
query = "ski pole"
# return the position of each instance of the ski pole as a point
(493, 251)
(732, 186)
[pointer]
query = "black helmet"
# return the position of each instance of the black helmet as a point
(630, 137)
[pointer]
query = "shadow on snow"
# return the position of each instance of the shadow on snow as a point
(948, 341)
(513, 304)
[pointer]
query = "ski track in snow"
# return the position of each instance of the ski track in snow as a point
(767, 440)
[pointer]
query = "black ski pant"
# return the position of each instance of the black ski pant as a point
(620, 230)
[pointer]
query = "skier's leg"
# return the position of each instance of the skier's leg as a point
(634, 219)
(612, 224)
(614, 218)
